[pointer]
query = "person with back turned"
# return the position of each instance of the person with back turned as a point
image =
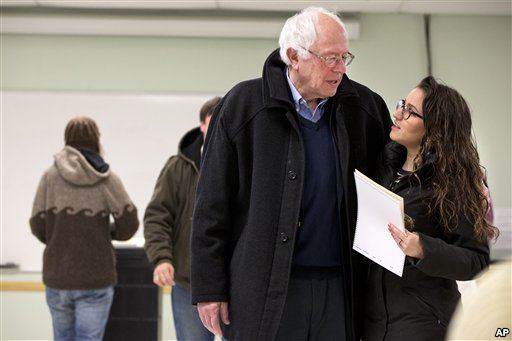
(75, 199)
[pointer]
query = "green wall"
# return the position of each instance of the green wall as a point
(470, 53)
(130, 63)
(473, 54)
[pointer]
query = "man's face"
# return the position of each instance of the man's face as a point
(312, 78)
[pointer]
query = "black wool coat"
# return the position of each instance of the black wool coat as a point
(419, 305)
(249, 197)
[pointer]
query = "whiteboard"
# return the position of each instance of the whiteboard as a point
(139, 132)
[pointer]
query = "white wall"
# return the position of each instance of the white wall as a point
(139, 132)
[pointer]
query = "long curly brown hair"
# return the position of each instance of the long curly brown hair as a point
(458, 178)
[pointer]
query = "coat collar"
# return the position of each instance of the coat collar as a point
(276, 92)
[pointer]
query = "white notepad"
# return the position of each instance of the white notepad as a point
(377, 206)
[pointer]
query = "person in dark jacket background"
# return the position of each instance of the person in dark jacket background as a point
(275, 205)
(433, 164)
(71, 216)
(167, 223)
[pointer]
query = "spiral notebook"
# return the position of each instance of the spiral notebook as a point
(377, 206)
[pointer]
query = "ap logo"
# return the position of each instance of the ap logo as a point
(502, 332)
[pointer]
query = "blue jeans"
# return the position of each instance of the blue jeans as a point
(79, 314)
(187, 323)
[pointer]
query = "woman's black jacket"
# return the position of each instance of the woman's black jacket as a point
(419, 305)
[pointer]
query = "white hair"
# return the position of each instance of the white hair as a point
(299, 31)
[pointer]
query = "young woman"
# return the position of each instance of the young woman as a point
(433, 164)
(71, 216)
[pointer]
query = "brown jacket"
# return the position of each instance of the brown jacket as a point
(168, 217)
(71, 215)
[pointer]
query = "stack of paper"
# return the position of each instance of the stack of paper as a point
(377, 207)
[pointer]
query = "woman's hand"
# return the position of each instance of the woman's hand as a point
(409, 242)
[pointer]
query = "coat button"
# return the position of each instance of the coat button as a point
(284, 237)
(292, 175)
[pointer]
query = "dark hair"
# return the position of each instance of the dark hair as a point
(458, 177)
(207, 108)
(82, 132)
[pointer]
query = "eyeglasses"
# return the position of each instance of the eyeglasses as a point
(406, 111)
(333, 60)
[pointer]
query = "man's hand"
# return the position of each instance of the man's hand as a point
(163, 274)
(209, 313)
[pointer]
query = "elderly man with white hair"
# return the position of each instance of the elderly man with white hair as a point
(276, 205)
